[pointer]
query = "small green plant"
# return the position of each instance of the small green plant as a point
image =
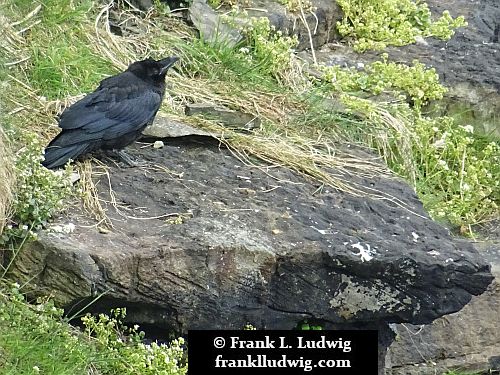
(136, 357)
(416, 83)
(37, 339)
(39, 192)
(297, 5)
(459, 173)
(269, 48)
(305, 325)
(376, 24)
(218, 3)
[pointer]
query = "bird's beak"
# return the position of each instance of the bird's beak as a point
(167, 63)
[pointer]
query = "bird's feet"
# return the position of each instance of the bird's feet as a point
(122, 156)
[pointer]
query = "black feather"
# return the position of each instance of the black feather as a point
(113, 116)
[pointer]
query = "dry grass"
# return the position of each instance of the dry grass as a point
(279, 142)
(90, 194)
(7, 176)
(7, 179)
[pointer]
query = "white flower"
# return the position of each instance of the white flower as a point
(244, 50)
(443, 164)
(36, 369)
(25, 227)
(441, 142)
(468, 128)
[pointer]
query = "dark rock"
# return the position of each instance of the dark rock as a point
(495, 363)
(468, 340)
(142, 4)
(321, 21)
(335, 257)
(469, 63)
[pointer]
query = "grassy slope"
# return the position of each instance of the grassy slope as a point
(62, 49)
(299, 126)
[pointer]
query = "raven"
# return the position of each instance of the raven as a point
(113, 116)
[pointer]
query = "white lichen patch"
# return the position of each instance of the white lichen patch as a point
(356, 297)
(62, 228)
(415, 236)
(364, 254)
(323, 231)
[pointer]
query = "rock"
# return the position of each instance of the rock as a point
(211, 26)
(321, 20)
(142, 4)
(230, 118)
(468, 64)
(468, 340)
(158, 144)
(164, 127)
(189, 251)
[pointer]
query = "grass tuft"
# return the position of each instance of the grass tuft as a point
(7, 180)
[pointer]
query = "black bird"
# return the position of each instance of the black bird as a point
(113, 116)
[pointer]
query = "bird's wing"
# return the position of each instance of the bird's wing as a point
(112, 111)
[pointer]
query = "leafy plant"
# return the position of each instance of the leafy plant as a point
(39, 192)
(416, 83)
(455, 172)
(127, 343)
(376, 24)
(267, 46)
(37, 339)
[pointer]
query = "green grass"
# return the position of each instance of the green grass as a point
(296, 110)
(65, 67)
(37, 339)
(61, 63)
(33, 339)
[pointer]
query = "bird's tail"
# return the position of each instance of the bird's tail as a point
(55, 156)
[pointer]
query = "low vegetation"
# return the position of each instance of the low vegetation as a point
(377, 24)
(304, 116)
(36, 338)
(7, 180)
